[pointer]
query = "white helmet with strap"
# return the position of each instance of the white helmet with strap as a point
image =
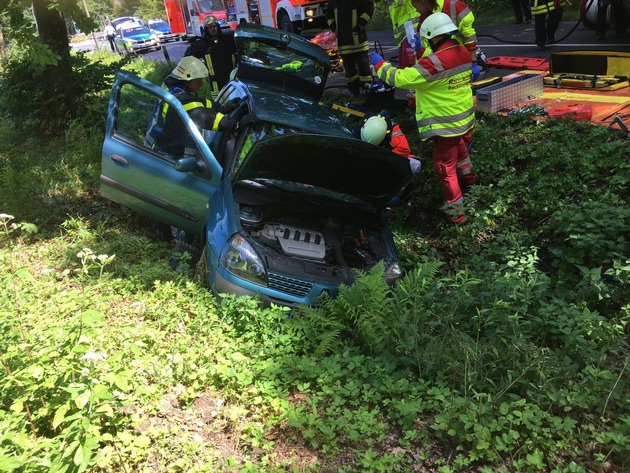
(438, 24)
(374, 130)
(189, 68)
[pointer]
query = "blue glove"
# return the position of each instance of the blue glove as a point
(475, 71)
(375, 58)
(416, 44)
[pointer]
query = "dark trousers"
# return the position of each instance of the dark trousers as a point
(521, 10)
(358, 72)
(112, 44)
(617, 12)
(545, 26)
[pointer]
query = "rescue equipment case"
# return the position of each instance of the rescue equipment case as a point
(510, 92)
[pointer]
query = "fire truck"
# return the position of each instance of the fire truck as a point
(186, 16)
(293, 16)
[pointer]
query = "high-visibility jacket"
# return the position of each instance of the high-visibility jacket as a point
(400, 11)
(347, 18)
(444, 100)
(166, 130)
(545, 6)
(398, 142)
(462, 17)
(219, 54)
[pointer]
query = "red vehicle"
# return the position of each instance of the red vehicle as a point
(186, 16)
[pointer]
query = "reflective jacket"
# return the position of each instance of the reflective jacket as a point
(400, 11)
(444, 100)
(462, 17)
(219, 54)
(167, 131)
(545, 6)
(347, 18)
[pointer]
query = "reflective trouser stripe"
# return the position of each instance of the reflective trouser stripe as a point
(464, 166)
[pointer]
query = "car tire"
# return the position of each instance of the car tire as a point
(285, 24)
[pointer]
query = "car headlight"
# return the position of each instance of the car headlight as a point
(392, 273)
(310, 13)
(240, 259)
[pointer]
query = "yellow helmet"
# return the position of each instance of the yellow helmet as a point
(189, 68)
(374, 130)
(210, 20)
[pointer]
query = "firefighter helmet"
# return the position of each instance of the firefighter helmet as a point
(210, 20)
(189, 68)
(438, 24)
(374, 130)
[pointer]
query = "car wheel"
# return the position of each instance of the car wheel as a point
(285, 24)
(201, 269)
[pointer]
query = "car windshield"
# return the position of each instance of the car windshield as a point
(134, 31)
(288, 61)
(207, 6)
(159, 25)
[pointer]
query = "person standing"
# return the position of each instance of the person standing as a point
(400, 12)
(463, 19)
(445, 111)
(522, 11)
(547, 16)
(218, 50)
(347, 19)
(110, 34)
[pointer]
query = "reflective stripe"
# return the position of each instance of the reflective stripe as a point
(447, 131)
(464, 166)
(454, 208)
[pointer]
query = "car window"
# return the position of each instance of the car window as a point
(269, 57)
(208, 6)
(137, 111)
(134, 31)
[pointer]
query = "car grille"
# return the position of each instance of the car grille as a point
(295, 287)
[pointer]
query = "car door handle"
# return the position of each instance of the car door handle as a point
(119, 160)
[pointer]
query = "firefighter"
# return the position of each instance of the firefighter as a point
(445, 111)
(400, 11)
(218, 50)
(547, 16)
(347, 19)
(167, 132)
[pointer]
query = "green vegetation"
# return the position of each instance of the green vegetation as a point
(504, 348)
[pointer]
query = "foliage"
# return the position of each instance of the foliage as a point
(503, 348)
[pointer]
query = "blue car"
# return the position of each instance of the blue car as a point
(285, 209)
(162, 30)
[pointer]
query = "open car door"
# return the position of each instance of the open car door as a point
(174, 191)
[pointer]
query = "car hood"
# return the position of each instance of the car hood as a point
(281, 59)
(139, 37)
(342, 166)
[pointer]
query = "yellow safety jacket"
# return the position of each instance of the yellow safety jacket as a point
(545, 6)
(400, 11)
(444, 100)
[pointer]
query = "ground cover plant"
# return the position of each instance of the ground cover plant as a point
(504, 347)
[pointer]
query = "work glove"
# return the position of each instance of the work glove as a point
(475, 71)
(231, 105)
(416, 43)
(227, 124)
(376, 61)
(248, 119)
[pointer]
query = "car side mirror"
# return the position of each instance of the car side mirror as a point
(188, 165)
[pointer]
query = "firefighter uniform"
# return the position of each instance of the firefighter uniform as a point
(167, 132)
(347, 19)
(219, 54)
(445, 113)
(547, 16)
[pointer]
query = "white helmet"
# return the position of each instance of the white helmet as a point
(189, 68)
(438, 24)
(374, 130)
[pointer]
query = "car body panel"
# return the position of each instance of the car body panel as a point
(145, 181)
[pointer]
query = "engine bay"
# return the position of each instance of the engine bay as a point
(306, 243)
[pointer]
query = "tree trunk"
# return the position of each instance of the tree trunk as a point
(52, 28)
(3, 51)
